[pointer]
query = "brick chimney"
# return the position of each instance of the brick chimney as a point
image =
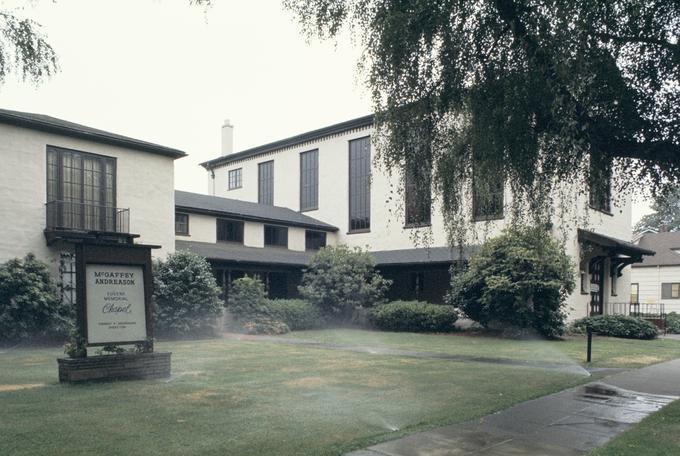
(227, 138)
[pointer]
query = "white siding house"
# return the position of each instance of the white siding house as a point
(331, 174)
(657, 279)
(62, 182)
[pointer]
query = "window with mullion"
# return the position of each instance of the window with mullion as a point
(360, 184)
(314, 240)
(417, 195)
(275, 236)
(265, 188)
(487, 196)
(309, 180)
(600, 181)
(181, 224)
(235, 179)
(229, 231)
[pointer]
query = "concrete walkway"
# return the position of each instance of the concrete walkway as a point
(571, 422)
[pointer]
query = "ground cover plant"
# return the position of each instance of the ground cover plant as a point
(414, 316)
(186, 296)
(521, 279)
(617, 326)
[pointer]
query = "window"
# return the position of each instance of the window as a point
(265, 183)
(417, 195)
(360, 185)
(235, 179)
(181, 224)
(600, 189)
(314, 240)
(229, 231)
(487, 197)
(635, 293)
(670, 291)
(81, 190)
(276, 236)
(309, 180)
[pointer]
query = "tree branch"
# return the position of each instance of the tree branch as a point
(640, 39)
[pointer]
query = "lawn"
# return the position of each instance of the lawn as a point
(656, 435)
(607, 351)
(255, 398)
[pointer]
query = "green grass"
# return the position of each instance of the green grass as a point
(607, 351)
(256, 398)
(656, 435)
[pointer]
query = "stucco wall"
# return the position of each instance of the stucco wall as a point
(145, 184)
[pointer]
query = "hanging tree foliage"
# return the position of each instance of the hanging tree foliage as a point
(543, 92)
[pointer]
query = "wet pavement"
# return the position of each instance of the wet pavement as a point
(571, 422)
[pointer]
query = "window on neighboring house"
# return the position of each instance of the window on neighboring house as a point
(181, 224)
(235, 179)
(276, 236)
(229, 231)
(309, 180)
(417, 195)
(314, 240)
(670, 291)
(634, 293)
(265, 183)
(487, 197)
(600, 189)
(81, 190)
(360, 185)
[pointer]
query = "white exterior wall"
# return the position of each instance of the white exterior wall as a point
(145, 185)
(202, 228)
(650, 278)
(387, 218)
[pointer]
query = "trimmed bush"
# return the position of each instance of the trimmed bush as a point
(520, 279)
(673, 323)
(186, 296)
(622, 326)
(414, 316)
(30, 304)
(339, 280)
(247, 299)
(296, 313)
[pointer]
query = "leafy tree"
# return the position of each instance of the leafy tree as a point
(186, 296)
(666, 213)
(248, 299)
(339, 280)
(533, 91)
(521, 278)
(30, 304)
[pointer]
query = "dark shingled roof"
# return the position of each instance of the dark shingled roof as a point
(279, 256)
(245, 210)
(62, 127)
(618, 245)
(663, 244)
(313, 135)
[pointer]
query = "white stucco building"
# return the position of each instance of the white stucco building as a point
(330, 176)
(62, 183)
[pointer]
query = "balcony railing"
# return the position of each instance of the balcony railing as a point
(87, 217)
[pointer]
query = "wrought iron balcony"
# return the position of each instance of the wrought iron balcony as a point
(86, 217)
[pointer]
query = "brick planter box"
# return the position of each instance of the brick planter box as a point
(129, 366)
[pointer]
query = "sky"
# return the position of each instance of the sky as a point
(171, 73)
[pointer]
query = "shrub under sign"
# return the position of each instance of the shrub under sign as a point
(113, 299)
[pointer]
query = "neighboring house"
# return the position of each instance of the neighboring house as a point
(63, 183)
(657, 279)
(329, 175)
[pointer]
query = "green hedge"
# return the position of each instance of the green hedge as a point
(414, 316)
(673, 323)
(616, 326)
(296, 313)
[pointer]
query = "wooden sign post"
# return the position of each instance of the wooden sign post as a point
(114, 286)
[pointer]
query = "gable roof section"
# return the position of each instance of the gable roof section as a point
(245, 210)
(359, 122)
(49, 124)
(663, 244)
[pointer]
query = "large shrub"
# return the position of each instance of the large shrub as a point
(673, 323)
(296, 313)
(252, 310)
(186, 296)
(414, 316)
(30, 304)
(622, 326)
(519, 279)
(339, 280)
